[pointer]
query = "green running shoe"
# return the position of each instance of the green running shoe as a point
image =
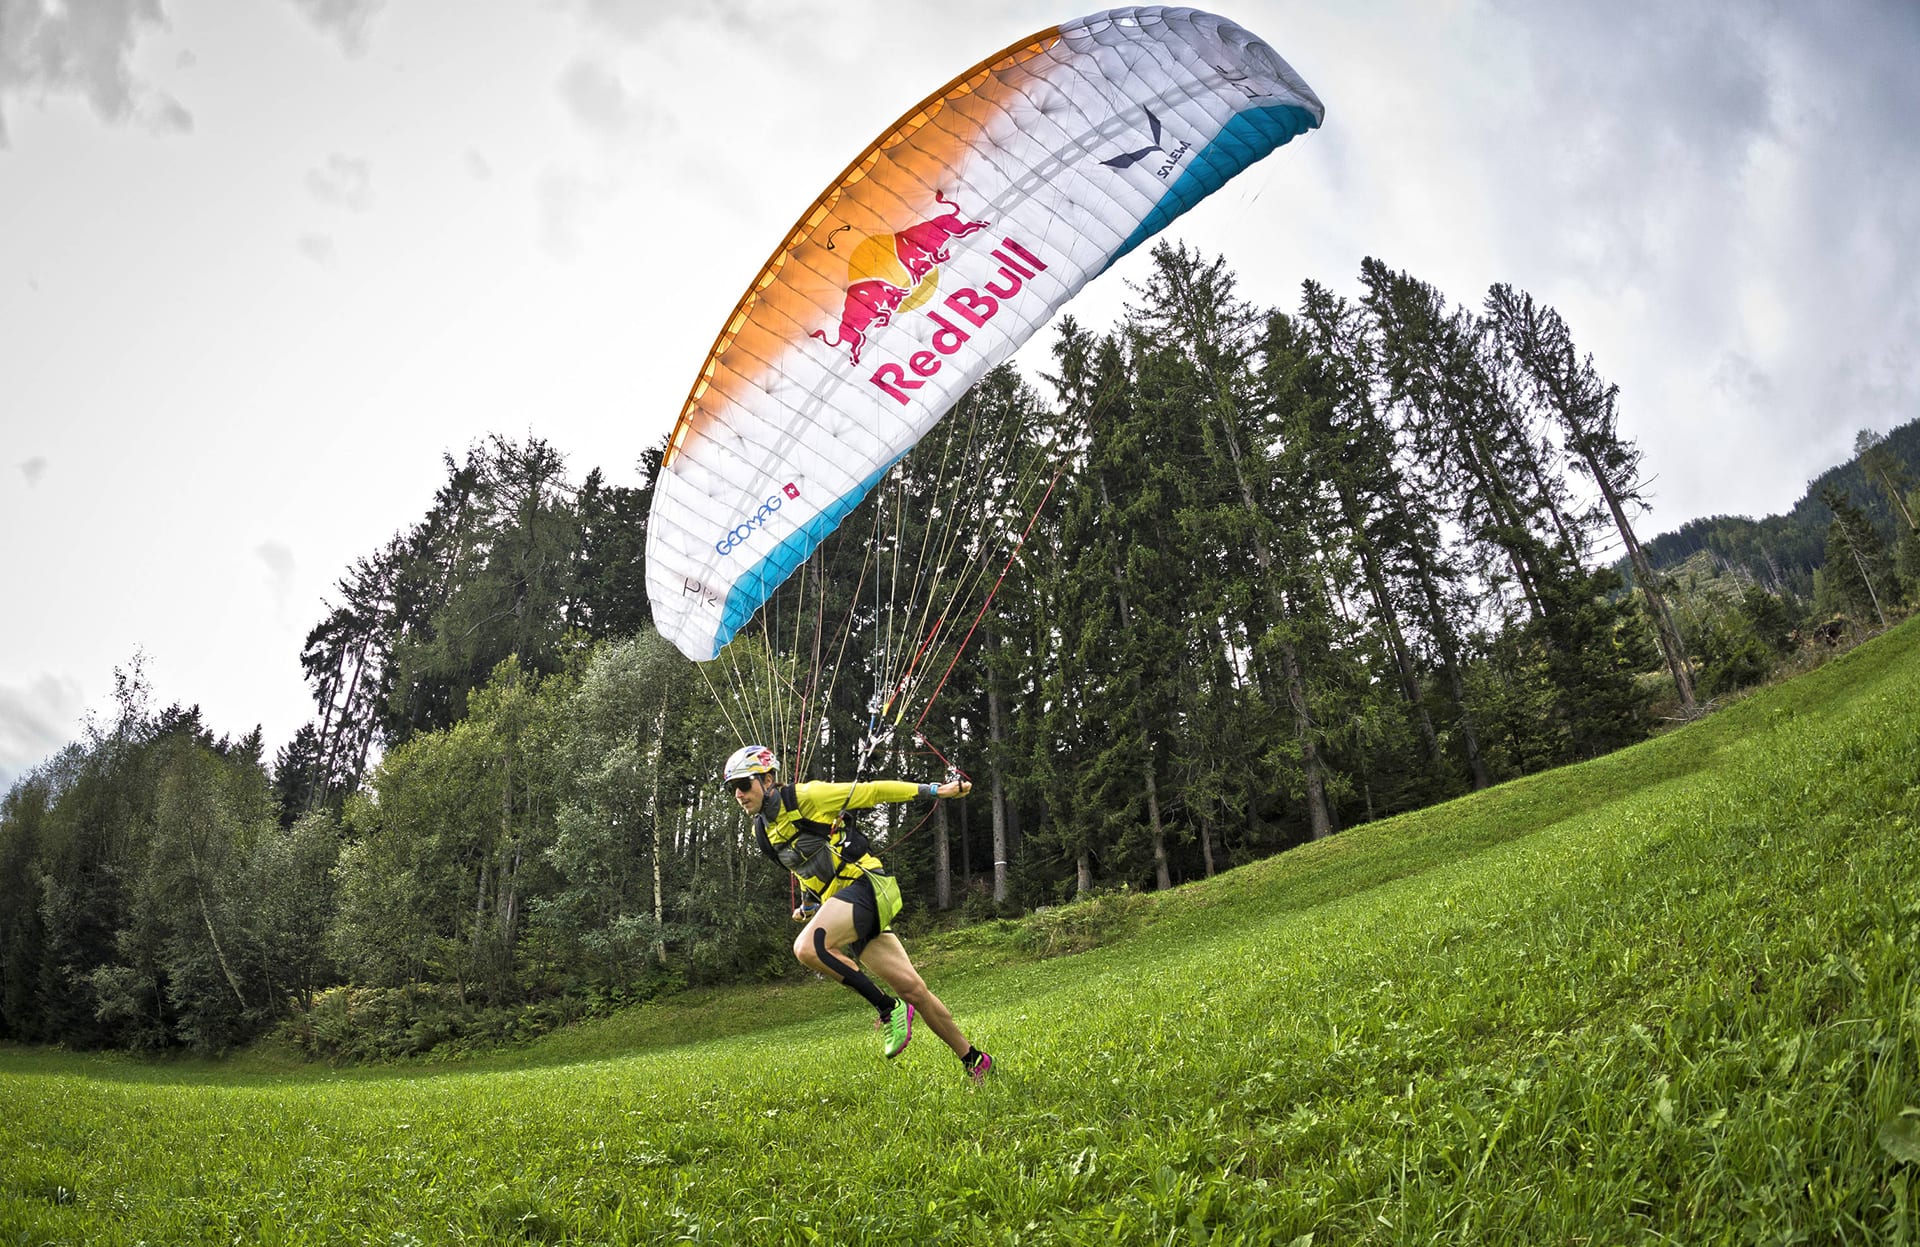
(899, 1028)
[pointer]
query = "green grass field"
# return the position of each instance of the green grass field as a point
(1669, 996)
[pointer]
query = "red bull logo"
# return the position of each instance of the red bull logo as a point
(894, 273)
(970, 309)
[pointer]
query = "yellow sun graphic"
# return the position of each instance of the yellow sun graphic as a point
(874, 257)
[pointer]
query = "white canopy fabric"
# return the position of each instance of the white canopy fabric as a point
(930, 260)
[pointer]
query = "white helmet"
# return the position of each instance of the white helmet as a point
(749, 760)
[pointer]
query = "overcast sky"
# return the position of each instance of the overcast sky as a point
(262, 264)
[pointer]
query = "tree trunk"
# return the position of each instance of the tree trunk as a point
(996, 736)
(1867, 580)
(506, 878)
(1672, 647)
(1319, 823)
(1224, 682)
(1442, 629)
(219, 954)
(1158, 831)
(942, 860)
(1317, 817)
(1509, 518)
(653, 800)
(1162, 878)
(966, 848)
(1389, 622)
(1537, 470)
(480, 905)
(510, 897)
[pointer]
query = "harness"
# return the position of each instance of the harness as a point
(820, 855)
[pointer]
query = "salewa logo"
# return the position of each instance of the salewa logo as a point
(1168, 158)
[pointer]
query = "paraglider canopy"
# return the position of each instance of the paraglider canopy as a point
(928, 261)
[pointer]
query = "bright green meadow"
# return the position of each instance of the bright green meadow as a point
(1668, 996)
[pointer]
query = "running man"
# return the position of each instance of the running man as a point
(799, 826)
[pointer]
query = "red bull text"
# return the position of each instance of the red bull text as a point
(973, 307)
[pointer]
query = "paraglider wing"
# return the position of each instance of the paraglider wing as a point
(931, 259)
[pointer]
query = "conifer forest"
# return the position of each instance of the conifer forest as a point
(1225, 579)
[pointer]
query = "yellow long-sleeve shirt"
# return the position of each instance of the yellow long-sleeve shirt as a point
(804, 832)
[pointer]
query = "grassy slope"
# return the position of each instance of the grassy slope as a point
(1666, 996)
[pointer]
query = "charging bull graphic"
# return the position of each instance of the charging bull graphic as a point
(889, 272)
(869, 303)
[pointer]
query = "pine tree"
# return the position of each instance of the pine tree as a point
(1858, 568)
(1410, 376)
(1393, 546)
(1191, 304)
(299, 775)
(1885, 470)
(25, 814)
(348, 660)
(422, 573)
(1089, 752)
(609, 580)
(1585, 406)
(1128, 650)
(1438, 375)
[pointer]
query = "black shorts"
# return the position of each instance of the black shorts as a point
(875, 898)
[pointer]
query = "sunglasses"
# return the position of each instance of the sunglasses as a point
(740, 785)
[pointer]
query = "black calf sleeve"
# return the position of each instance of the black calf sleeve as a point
(850, 976)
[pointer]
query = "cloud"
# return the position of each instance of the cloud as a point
(479, 168)
(635, 20)
(345, 20)
(568, 201)
(343, 182)
(641, 21)
(1730, 195)
(278, 558)
(319, 248)
(1743, 382)
(84, 48)
(601, 102)
(34, 469)
(36, 721)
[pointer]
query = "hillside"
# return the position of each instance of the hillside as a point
(1783, 551)
(1667, 994)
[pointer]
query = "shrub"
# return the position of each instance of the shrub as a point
(1083, 924)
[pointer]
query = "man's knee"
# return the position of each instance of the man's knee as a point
(803, 950)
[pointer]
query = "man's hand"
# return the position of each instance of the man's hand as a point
(955, 788)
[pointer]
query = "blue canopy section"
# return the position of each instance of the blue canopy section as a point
(1248, 137)
(752, 590)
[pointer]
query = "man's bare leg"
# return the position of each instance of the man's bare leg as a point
(887, 957)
